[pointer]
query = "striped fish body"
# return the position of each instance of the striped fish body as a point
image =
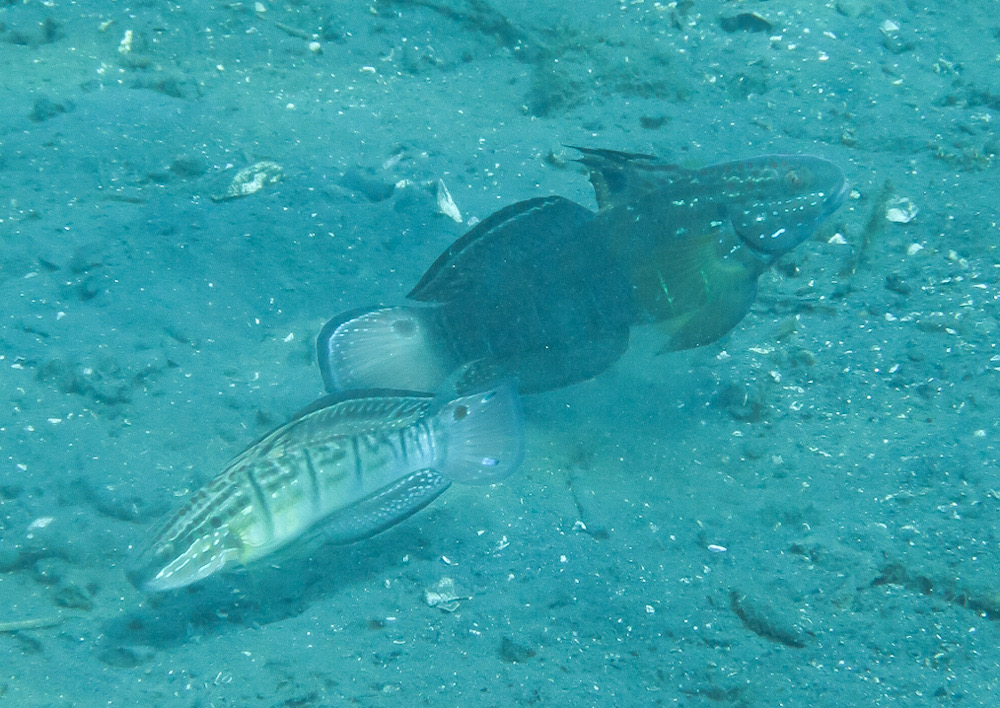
(357, 465)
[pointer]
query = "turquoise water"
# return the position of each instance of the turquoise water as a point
(800, 514)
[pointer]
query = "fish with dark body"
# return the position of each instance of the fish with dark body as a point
(545, 291)
(348, 467)
(519, 296)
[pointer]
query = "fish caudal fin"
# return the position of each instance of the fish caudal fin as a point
(385, 347)
(481, 436)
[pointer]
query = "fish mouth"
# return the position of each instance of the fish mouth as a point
(148, 567)
(167, 566)
(159, 572)
(140, 577)
(143, 569)
(834, 202)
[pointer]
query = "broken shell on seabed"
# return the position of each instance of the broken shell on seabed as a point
(901, 210)
(442, 595)
(446, 205)
(251, 180)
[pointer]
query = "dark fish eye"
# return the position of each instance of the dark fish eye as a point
(460, 412)
(793, 179)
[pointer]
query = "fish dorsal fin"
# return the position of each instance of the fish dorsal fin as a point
(381, 406)
(619, 177)
(344, 415)
(508, 233)
(356, 412)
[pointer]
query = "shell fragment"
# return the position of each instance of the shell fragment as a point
(901, 210)
(251, 180)
(442, 595)
(446, 205)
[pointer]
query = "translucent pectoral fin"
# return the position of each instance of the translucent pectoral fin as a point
(481, 436)
(697, 289)
(713, 320)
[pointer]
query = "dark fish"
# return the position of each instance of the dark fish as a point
(351, 465)
(544, 291)
(694, 242)
(531, 293)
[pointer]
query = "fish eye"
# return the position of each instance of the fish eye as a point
(460, 412)
(794, 180)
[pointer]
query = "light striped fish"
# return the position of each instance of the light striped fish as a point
(351, 465)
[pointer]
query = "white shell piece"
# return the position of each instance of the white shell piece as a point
(901, 210)
(251, 180)
(446, 205)
(442, 595)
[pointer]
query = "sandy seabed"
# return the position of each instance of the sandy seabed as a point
(801, 514)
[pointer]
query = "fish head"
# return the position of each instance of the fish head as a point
(778, 201)
(180, 555)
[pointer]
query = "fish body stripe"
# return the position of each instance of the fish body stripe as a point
(272, 493)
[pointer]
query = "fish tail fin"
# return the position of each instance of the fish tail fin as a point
(482, 436)
(384, 347)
